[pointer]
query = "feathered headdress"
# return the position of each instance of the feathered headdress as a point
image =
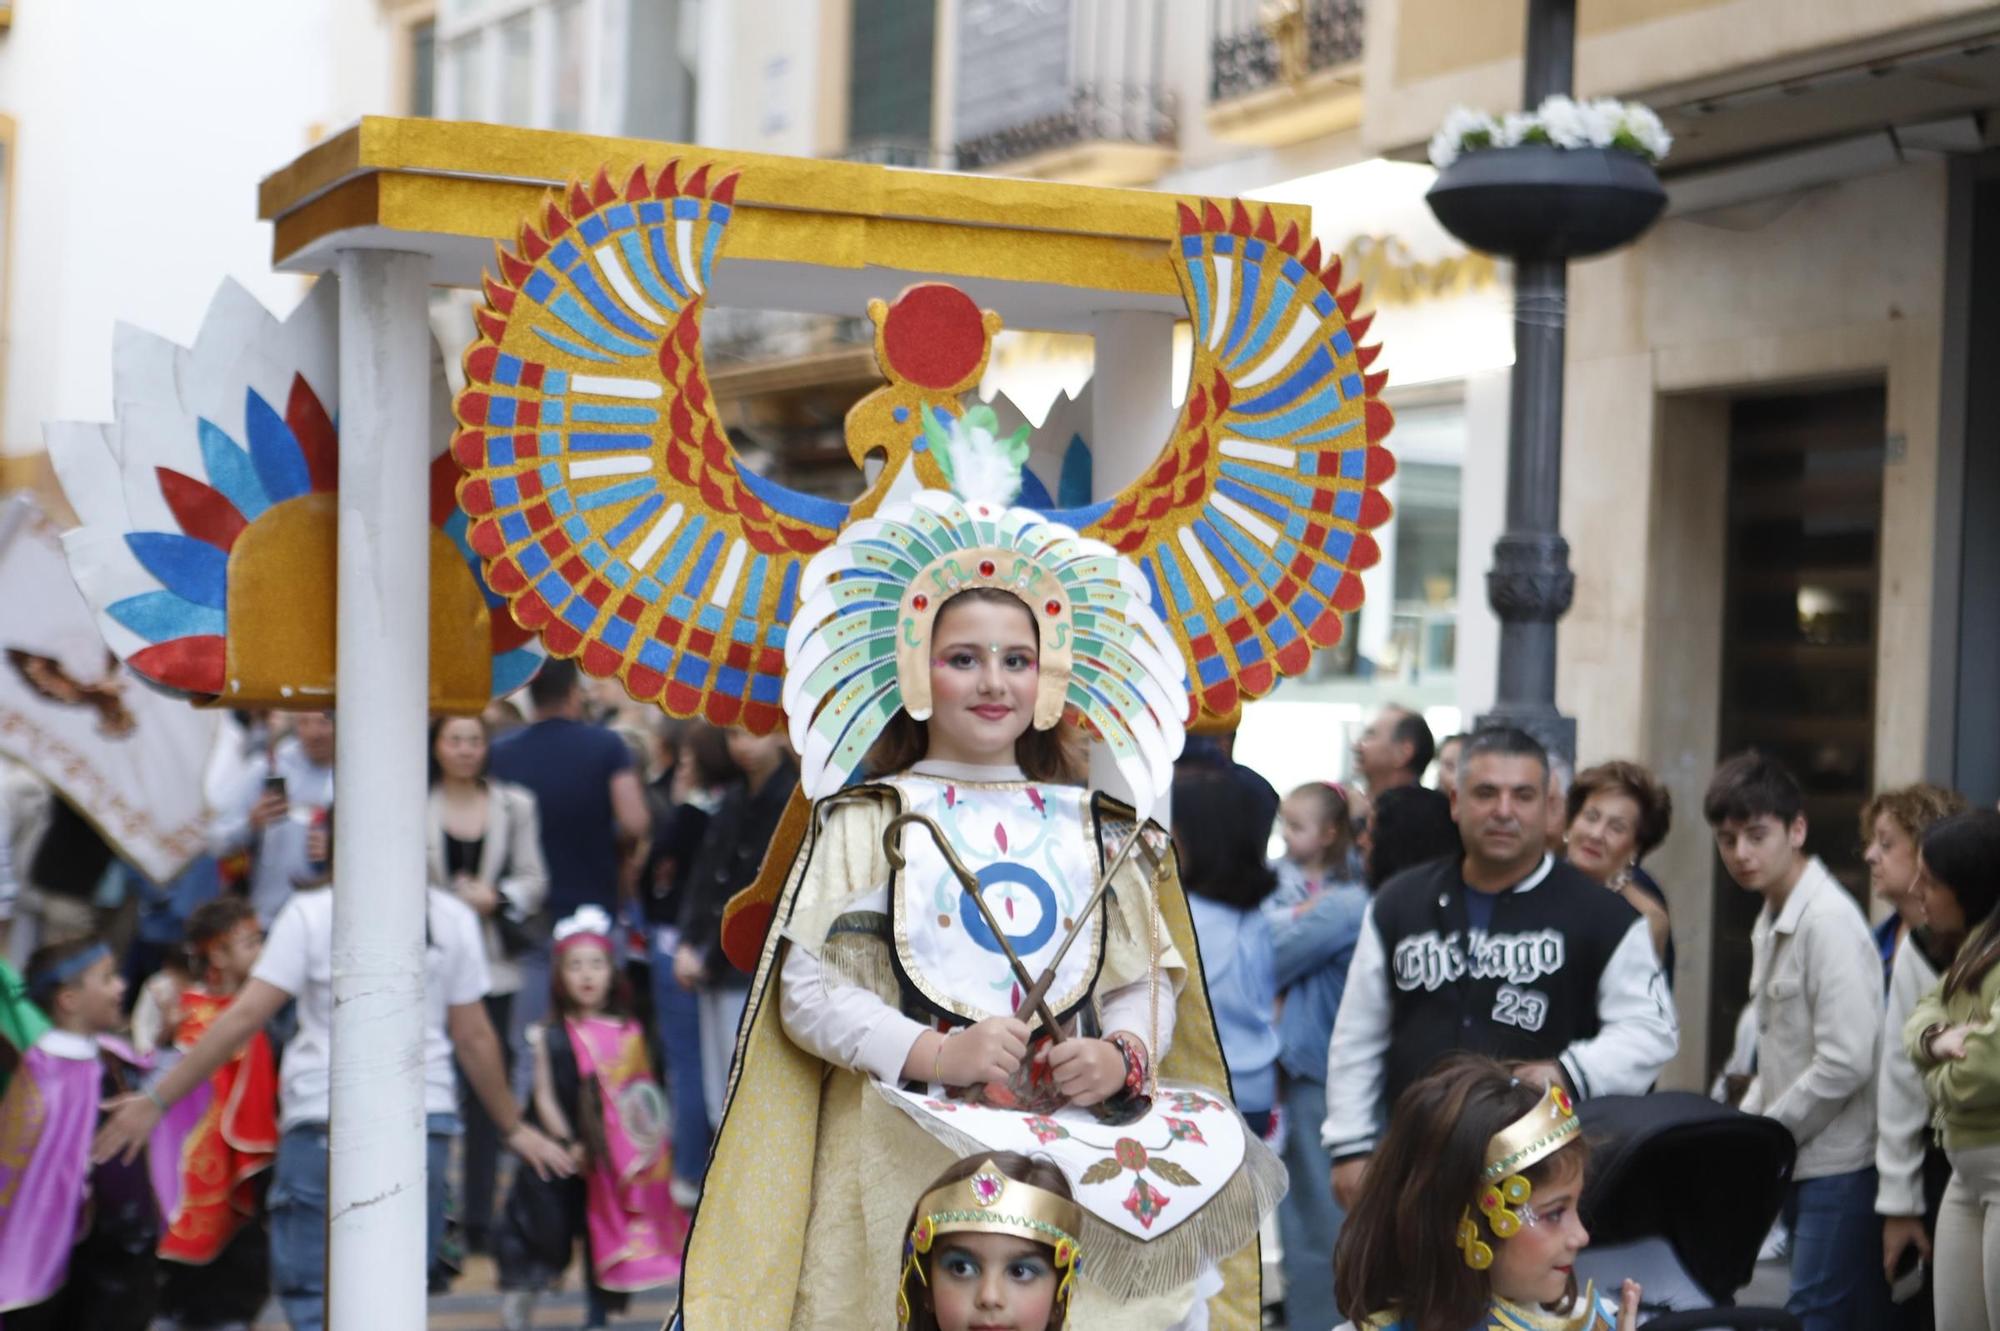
(859, 645)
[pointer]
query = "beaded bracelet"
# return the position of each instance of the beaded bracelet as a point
(1134, 1055)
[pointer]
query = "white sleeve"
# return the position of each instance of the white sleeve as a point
(1355, 1075)
(842, 1024)
(1902, 1111)
(1129, 1007)
(466, 979)
(1637, 1029)
(283, 962)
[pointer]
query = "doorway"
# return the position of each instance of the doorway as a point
(1800, 591)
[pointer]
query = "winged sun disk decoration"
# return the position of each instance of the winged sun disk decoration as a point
(611, 511)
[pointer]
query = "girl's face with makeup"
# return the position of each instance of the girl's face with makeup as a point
(984, 673)
(992, 1282)
(1535, 1266)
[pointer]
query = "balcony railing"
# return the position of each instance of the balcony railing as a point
(1257, 44)
(1106, 113)
(892, 152)
(1043, 75)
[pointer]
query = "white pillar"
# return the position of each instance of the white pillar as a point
(1132, 416)
(376, 1184)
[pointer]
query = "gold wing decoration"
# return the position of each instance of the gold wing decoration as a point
(1253, 526)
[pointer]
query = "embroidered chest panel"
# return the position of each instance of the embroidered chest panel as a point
(1032, 849)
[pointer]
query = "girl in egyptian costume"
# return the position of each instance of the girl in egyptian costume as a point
(970, 954)
(1497, 1164)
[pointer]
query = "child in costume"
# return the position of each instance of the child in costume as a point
(898, 1020)
(992, 1242)
(211, 1153)
(1498, 1162)
(76, 1244)
(595, 1093)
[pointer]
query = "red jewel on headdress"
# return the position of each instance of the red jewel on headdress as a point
(1054, 607)
(986, 568)
(1490, 1200)
(1562, 1098)
(920, 603)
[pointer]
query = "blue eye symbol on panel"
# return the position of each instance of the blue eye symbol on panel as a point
(1040, 924)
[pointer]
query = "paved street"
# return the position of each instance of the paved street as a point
(474, 1305)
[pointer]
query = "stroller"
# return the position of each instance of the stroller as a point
(1681, 1193)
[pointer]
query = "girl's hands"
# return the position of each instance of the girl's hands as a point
(991, 1050)
(1087, 1072)
(128, 1121)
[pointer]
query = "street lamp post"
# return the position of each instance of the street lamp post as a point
(1530, 584)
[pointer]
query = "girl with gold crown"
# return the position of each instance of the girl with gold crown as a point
(971, 953)
(992, 1242)
(1496, 1163)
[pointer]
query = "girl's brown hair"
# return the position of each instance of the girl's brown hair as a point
(1050, 755)
(1398, 1251)
(1028, 1169)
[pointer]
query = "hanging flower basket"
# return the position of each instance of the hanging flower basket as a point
(1565, 181)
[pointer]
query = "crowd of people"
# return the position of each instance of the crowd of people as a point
(1420, 972)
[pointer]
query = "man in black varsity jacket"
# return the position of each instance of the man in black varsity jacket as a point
(1509, 952)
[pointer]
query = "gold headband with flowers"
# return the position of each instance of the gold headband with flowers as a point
(1551, 1125)
(990, 1202)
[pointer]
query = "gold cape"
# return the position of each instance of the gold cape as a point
(793, 1126)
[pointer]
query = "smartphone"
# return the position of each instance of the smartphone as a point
(274, 785)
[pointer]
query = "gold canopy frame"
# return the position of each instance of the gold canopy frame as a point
(809, 235)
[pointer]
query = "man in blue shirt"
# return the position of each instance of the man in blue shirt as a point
(593, 815)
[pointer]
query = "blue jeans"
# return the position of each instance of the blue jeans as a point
(1309, 1219)
(1836, 1253)
(678, 1013)
(531, 1005)
(298, 1214)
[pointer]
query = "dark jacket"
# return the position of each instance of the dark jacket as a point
(731, 853)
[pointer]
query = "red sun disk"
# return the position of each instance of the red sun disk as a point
(197, 664)
(933, 336)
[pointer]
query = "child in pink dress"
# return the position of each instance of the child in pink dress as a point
(594, 1092)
